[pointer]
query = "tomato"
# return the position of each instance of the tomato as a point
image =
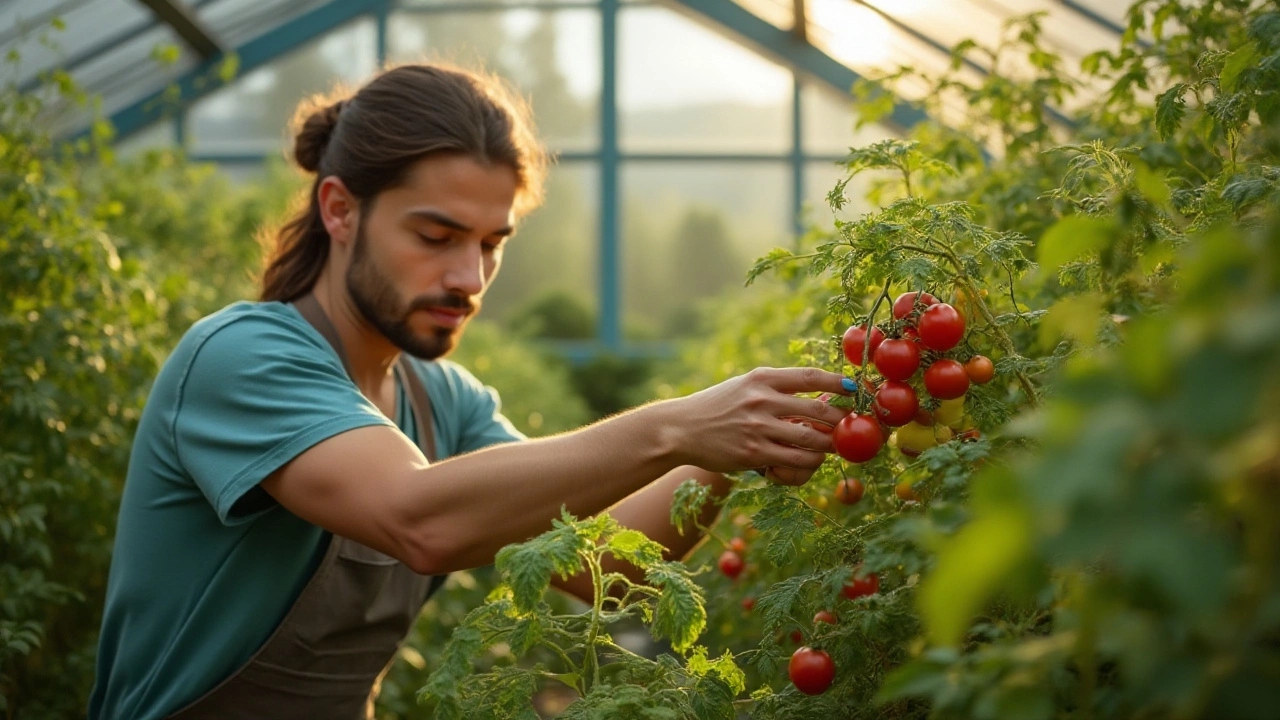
(748, 604)
(950, 412)
(924, 417)
(858, 438)
(970, 434)
(824, 616)
(896, 403)
(915, 438)
(820, 503)
(797, 637)
(897, 359)
(861, 585)
(906, 302)
(946, 380)
(904, 491)
(910, 333)
(850, 491)
(731, 564)
(941, 327)
(738, 545)
(854, 342)
(980, 369)
(811, 671)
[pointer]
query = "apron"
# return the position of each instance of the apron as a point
(326, 659)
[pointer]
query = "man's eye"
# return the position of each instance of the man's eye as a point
(432, 240)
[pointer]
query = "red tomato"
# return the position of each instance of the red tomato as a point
(854, 342)
(811, 671)
(731, 564)
(861, 585)
(748, 604)
(850, 491)
(906, 302)
(858, 438)
(946, 380)
(796, 637)
(980, 369)
(970, 434)
(924, 417)
(738, 545)
(824, 616)
(941, 327)
(896, 403)
(897, 359)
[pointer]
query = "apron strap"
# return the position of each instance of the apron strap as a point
(419, 401)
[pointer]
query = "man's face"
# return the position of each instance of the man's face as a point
(426, 251)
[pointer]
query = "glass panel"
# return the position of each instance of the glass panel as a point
(682, 87)
(820, 178)
(253, 114)
(780, 13)
(691, 230)
(828, 119)
(555, 248)
(28, 29)
(156, 135)
(552, 57)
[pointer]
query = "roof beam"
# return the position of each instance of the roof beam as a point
(187, 25)
(801, 23)
(783, 47)
(207, 77)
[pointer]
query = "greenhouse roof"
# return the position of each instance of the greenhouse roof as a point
(143, 56)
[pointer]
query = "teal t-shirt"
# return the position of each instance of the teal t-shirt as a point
(206, 563)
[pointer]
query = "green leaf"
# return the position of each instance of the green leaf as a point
(1170, 109)
(1072, 237)
(972, 565)
(636, 548)
(687, 502)
(1239, 61)
(680, 615)
(527, 567)
(1074, 318)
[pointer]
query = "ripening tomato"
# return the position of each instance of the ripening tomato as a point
(914, 438)
(858, 438)
(861, 585)
(946, 380)
(980, 369)
(824, 616)
(811, 671)
(748, 604)
(896, 403)
(941, 327)
(904, 491)
(906, 302)
(854, 342)
(897, 359)
(850, 491)
(924, 417)
(950, 412)
(738, 545)
(731, 564)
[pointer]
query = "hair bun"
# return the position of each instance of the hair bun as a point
(314, 133)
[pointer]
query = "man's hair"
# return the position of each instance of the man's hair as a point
(370, 139)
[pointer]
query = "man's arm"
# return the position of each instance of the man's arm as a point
(374, 486)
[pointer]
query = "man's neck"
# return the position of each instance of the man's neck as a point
(369, 354)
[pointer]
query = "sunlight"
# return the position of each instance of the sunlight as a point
(852, 33)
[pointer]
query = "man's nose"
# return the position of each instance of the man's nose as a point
(466, 271)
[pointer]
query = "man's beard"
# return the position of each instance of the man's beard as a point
(378, 302)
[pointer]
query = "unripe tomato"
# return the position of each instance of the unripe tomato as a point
(915, 437)
(855, 339)
(861, 585)
(820, 502)
(748, 604)
(941, 327)
(896, 403)
(738, 545)
(950, 412)
(946, 380)
(811, 671)
(850, 491)
(980, 369)
(897, 359)
(906, 302)
(904, 491)
(824, 616)
(731, 564)
(858, 438)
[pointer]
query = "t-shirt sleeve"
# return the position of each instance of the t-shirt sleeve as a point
(480, 409)
(257, 392)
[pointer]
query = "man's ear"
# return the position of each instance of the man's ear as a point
(339, 210)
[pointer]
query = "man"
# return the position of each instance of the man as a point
(284, 517)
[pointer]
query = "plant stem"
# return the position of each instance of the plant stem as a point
(591, 660)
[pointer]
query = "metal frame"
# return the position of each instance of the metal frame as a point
(187, 25)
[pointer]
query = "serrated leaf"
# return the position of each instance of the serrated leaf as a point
(687, 502)
(1170, 109)
(527, 567)
(635, 547)
(680, 615)
(1237, 63)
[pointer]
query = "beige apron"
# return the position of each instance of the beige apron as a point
(327, 657)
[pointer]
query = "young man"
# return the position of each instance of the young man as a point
(286, 515)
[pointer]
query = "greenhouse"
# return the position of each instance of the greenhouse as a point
(847, 359)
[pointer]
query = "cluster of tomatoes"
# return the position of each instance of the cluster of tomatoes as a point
(926, 331)
(811, 670)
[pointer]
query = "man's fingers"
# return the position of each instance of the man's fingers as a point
(801, 380)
